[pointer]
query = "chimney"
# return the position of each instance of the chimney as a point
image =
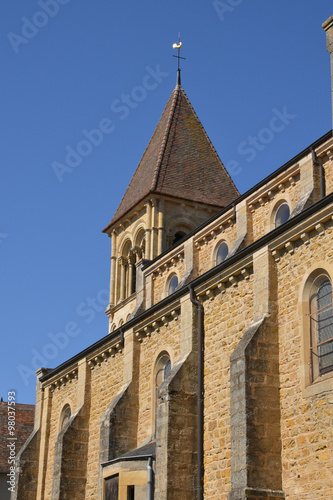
(328, 27)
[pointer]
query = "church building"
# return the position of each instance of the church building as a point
(215, 379)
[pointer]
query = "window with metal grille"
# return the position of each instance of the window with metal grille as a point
(321, 326)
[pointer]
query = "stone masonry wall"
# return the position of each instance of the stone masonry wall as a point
(226, 320)
(66, 394)
(328, 168)
(160, 279)
(306, 421)
(261, 210)
(166, 339)
(176, 433)
(28, 468)
(206, 248)
(70, 466)
(106, 382)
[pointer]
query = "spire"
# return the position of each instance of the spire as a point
(179, 161)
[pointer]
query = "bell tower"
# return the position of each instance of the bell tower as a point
(179, 183)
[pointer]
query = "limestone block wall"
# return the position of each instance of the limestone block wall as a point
(306, 417)
(161, 276)
(263, 208)
(208, 241)
(66, 394)
(106, 383)
(176, 432)
(328, 168)
(226, 320)
(165, 337)
(122, 313)
(28, 468)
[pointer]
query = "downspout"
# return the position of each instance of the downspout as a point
(150, 479)
(321, 174)
(200, 393)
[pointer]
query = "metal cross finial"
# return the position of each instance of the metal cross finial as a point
(178, 46)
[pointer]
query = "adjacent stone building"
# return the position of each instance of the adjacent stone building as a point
(215, 380)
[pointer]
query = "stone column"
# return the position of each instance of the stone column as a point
(130, 287)
(113, 267)
(153, 253)
(160, 226)
(122, 263)
(148, 231)
(328, 27)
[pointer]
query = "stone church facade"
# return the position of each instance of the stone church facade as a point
(215, 380)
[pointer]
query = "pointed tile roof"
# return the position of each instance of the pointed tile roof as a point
(179, 161)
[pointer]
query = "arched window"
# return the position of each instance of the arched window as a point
(173, 283)
(65, 416)
(127, 271)
(321, 326)
(178, 236)
(222, 253)
(282, 215)
(162, 370)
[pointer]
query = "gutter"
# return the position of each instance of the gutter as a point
(200, 417)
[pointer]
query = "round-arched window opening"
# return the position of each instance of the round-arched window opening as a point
(321, 326)
(173, 283)
(222, 253)
(65, 416)
(178, 236)
(163, 368)
(282, 215)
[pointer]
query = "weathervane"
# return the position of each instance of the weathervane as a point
(178, 46)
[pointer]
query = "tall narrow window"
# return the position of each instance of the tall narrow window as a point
(222, 253)
(162, 370)
(173, 283)
(321, 326)
(65, 416)
(282, 215)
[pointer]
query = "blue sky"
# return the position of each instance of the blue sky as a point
(69, 68)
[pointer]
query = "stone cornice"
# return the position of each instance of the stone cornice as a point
(316, 224)
(172, 257)
(163, 317)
